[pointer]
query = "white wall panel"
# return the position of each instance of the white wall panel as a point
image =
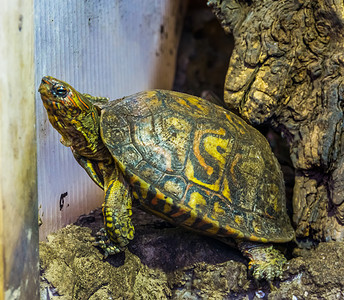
(105, 48)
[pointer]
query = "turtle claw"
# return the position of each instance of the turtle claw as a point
(108, 246)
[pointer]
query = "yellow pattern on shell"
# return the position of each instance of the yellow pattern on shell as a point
(211, 143)
(168, 205)
(190, 174)
(191, 220)
(189, 101)
(154, 101)
(217, 211)
(235, 123)
(194, 101)
(215, 225)
(239, 220)
(225, 189)
(144, 186)
(196, 200)
(234, 232)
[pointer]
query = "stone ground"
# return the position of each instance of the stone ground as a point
(164, 262)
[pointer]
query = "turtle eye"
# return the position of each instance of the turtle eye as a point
(60, 91)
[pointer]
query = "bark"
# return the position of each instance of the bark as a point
(286, 70)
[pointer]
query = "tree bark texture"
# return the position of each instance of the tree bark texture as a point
(287, 70)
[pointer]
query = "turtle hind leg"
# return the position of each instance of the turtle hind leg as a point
(118, 229)
(265, 262)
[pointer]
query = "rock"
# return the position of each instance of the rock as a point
(316, 274)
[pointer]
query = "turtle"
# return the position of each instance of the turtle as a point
(182, 158)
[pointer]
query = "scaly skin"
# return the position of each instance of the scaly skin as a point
(76, 118)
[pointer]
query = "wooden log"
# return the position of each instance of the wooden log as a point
(19, 274)
(287, 70)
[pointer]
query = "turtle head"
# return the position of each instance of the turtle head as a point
(71, 113)
(60, 96)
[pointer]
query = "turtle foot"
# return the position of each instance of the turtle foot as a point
(109, 247)
(268, 265)
(266, 262)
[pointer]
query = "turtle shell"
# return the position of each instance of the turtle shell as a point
(197, 165)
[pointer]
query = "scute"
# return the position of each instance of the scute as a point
(200, 165)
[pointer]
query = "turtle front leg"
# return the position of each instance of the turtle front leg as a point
(265, 262)
(117, 210)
